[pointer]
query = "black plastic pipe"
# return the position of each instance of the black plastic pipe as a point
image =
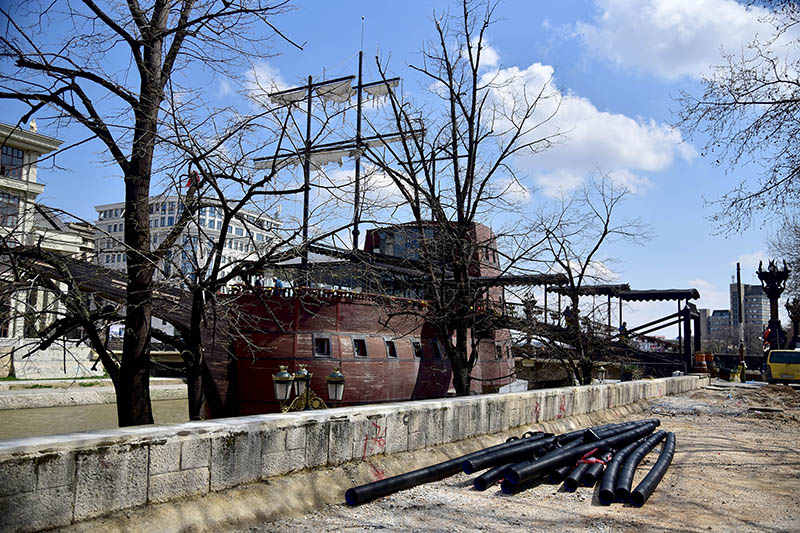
(539, 445)
(609, 430)
(524, 449)
(559, 474)
(490, 477)
(520, 472)
(622, 489)
(595, 470)
(606, 494)
(644, 489)
(571, 481)
(370, 491)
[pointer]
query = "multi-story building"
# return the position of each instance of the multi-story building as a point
(719, 323)
(756, 306)
(25, 312)
(249, 232)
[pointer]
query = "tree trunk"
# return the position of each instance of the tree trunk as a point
(193, 357)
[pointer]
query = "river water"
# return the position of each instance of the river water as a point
(17, 423)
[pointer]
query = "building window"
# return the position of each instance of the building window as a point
(417, 347)
(170, 221)
(322, 345)
(391, 350)
(11, 163)
(239, 231)
(360, 347)
(9, 210)
(5, 314)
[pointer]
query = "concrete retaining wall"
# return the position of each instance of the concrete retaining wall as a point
(57, 480)
(60, 361)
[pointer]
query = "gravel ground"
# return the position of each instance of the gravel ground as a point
(736, 468)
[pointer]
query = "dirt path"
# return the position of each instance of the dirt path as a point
(735, 469)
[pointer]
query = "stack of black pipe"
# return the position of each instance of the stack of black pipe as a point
(577, 457)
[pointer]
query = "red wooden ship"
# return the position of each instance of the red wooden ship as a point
(381, 343)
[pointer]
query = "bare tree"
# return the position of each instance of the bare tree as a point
(454, 176)
(750, 113)
(576, 231)
(786, 245)
(113, 72)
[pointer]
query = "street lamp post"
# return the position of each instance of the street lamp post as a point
(300, 383)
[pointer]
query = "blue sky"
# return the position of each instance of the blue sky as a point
(618, 65)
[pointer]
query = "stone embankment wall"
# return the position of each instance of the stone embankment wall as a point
(57, 480)
(67, 360)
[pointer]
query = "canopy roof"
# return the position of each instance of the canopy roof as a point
(594, 290)
(651, 295)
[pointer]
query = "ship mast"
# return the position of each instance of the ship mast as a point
(338, 90)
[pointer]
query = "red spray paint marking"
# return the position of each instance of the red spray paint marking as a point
(379, 440)
(536, 411)
(562, 407)
(377, 472)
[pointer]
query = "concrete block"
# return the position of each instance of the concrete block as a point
(612, 395)
(598, 398)
(476, 419)
(317, 434)
(495, 409)
(340, 441)
(165, 487)
(581, 399)
(110, 479)
(434, 426)
(279, 463)
(55, 470)
(235, 459)
(456, 421)
(535, 404)
(296, 438)
(396, 434)
(370, 434)
(565, 404)
(165, 456)
(514, 416)
(17, 476)
(549, 408)
(34, 511)
(195, 453)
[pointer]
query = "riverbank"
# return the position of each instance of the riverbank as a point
(42, 393)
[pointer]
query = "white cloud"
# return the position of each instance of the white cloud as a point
(671, 38)
(225, 87)
(490, 57)
(749, 262)
(613, 143)
(513, 191)
(711, 296)
(261, 79)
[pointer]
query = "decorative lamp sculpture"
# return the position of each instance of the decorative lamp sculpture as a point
(282, 382)
(335, 385)
(302, 379)
(773, 281)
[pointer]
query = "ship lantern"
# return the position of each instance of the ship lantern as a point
(282, 381)
(335, 385)
(302, 379)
